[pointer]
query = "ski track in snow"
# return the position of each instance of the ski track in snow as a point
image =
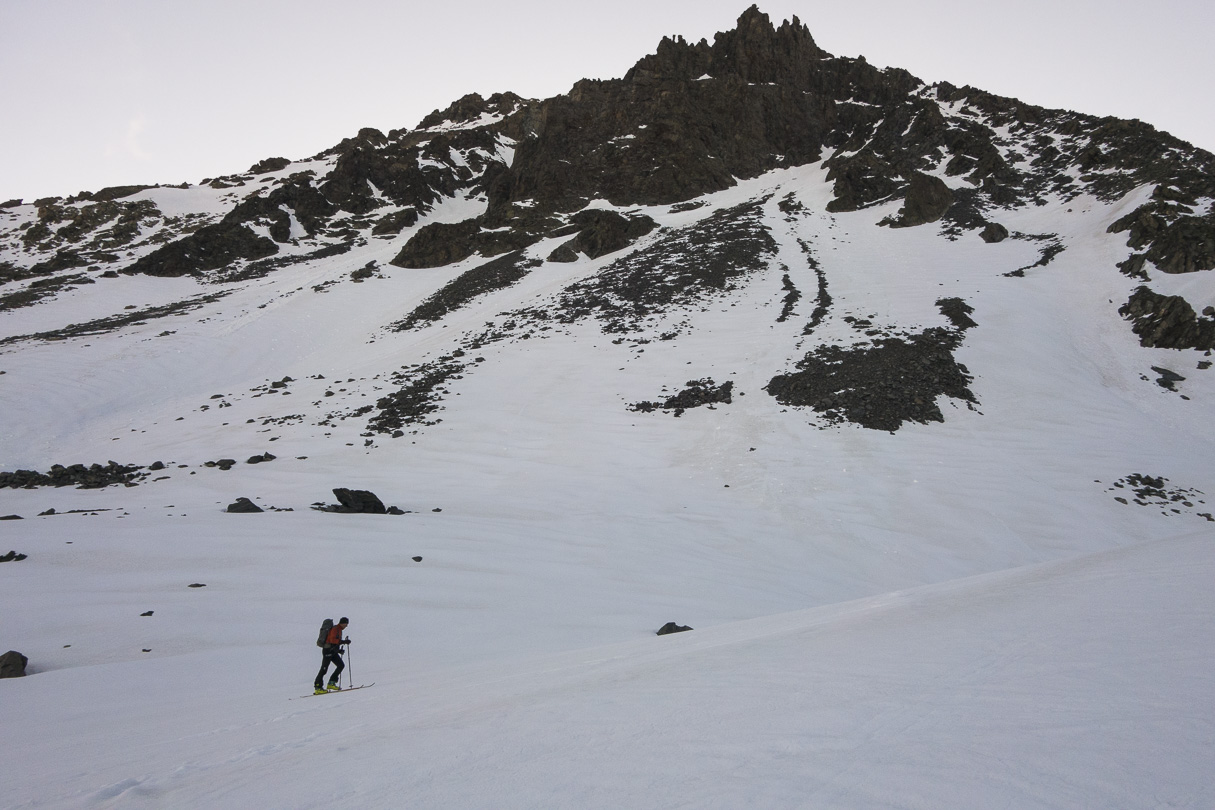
(955, 615)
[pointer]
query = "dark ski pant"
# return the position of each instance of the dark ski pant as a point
(333, 656)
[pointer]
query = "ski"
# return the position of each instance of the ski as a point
(340, 691)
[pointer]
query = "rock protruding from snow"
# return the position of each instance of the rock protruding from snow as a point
(927, 200)
(243, 505)
(696, 394)
(993, 232)
(881, 386)
(94, 476)
(601, 233)
(355, 501)
(1167, 321)
(672, 627)
(13, 664)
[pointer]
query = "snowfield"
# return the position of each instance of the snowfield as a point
(954, 615)
(1085, 682)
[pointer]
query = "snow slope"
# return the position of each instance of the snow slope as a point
(1085, 682)
(1021, 638)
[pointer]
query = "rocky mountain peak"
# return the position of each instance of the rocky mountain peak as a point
(754, 52)
(687, 120)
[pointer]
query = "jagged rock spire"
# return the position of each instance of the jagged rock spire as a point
(754, 51)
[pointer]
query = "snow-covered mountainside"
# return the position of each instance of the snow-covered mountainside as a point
(900, 394)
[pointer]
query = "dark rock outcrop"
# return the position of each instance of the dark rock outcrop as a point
(880, 387)
(243, 505)
(209, 248)
(1168, 378)
(496, 274)
(439, 243)
(418, 398)
(94, 476)
(696, 394)
(602, 232)
(672, 627)
(1165, 322)
(271, 164)
(358, 501)
(927, 200)
(471, 107)
(13, 664)
(958, 312)
(681, 268)
(993, 232)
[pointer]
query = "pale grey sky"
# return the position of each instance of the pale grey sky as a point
(108, 92)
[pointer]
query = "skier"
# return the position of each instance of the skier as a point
(332, 652)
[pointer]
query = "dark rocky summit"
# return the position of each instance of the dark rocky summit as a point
(689, 119)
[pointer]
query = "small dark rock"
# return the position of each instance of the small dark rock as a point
(197, 585)
(156, 465)
(993, 233)
(395, 510)
(417, 559)
(1167, 378)
(672, 627)
(12, 664)
(12, 556)
(149, 613)
(11, 517)
(47, 512)
(243, 505)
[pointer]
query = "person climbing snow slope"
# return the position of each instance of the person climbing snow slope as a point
(331, 652)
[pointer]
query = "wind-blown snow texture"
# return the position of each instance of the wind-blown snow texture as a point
(888, 416)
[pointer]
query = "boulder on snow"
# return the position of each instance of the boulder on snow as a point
(994, 232)
(358, 501)
(927, 200)
(672, 627)
(243, 505)
(12, 664)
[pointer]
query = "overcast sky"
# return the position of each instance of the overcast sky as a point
(108, 92)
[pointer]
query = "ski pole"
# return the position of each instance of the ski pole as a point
(349, 666)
